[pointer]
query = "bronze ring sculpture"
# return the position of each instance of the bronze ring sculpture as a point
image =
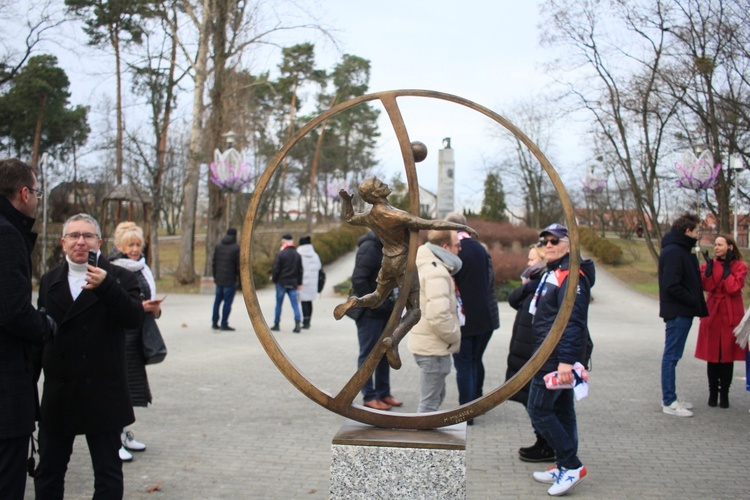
(342, 403)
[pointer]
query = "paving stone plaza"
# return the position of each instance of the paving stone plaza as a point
(225, 423)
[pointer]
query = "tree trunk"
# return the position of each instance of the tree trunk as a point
(38, 132)
(216, 128)
(185, 272)
(114, 36)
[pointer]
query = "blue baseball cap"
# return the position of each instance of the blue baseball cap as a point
(556, 230)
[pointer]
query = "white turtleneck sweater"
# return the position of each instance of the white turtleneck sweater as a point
(76, 277)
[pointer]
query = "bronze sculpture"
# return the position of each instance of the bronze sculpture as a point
(393, 227)
(342, 402)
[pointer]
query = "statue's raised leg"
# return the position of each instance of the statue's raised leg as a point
(410, 319)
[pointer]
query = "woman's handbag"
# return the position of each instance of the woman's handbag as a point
(154, 348)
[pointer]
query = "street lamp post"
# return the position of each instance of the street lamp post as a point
(592, 186)
(43, 174)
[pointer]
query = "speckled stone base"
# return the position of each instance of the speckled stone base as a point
(367, 462)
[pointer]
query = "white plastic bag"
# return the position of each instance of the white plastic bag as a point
(742, 331)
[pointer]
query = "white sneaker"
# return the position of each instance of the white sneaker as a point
(676, 409)
(685, 404)
(125, 456)
(567, 479)
(129, 442)
(548, 476)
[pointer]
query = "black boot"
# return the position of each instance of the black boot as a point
(713, 396)
(723, 397)
(275, 327)
(297, 328)
(306, 322)
(725, 381)
(538, 452)
(712, 370)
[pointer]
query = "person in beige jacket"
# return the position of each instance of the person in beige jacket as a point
(438, 333)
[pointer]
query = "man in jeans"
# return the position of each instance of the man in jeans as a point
(287, 275)
(552, 412)
(680, 299)
(226, 268)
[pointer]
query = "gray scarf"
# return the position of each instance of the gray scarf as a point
(451, 260)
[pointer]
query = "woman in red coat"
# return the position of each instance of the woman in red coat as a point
(723, 279)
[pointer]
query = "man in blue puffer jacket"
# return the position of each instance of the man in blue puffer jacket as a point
(552, 412)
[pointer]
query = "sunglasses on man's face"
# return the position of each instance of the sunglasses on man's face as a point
(544, 241)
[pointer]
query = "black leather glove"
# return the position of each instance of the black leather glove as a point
(709, 265)
(728, 264)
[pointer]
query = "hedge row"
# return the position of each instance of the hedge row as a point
(603, 249)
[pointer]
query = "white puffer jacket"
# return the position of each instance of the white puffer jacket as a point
(438, 332)
(310, 267)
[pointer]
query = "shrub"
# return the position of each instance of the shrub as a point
(507, 266)
(603, 249)
(507, 235)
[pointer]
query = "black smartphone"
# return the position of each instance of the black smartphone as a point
(92, 258)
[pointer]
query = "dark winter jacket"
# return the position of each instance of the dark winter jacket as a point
(475, 282)
(85, 385)
(548, 301)
(367, 265)
(226, 261)
(522, 338)
(680, 287)
(21, 326)
(287, 268)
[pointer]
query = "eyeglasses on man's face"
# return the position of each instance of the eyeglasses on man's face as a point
(89, 237)
(37, 192)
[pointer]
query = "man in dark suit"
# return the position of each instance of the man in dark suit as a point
(85, 386)
(21, 327)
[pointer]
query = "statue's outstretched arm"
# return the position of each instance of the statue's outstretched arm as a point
(415, 222)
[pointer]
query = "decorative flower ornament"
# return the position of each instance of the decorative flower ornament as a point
(229, 171)
(593, 184)
(697, 172)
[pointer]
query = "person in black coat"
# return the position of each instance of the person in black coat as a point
(476, 288)
(522, 345)
(85, 385)
(287, 274)
(22, 328)
(226, 269)
(680, 299)
(376, 392)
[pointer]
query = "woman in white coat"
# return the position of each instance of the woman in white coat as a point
(311, 267)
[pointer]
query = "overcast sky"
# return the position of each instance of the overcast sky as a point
(485, 51)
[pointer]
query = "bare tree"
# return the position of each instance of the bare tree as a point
(222, 39)
(520, 168)
(39, 19)
(710, 76)
(617, 49)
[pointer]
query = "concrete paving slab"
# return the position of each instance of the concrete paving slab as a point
(225, 423)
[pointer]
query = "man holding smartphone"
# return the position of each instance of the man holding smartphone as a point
(85, 386)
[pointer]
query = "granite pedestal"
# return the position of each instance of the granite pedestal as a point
(370, 462)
